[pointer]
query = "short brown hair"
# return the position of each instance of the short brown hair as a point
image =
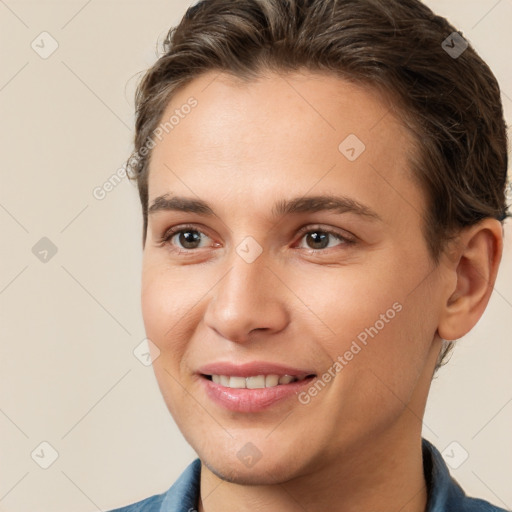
(450, 102)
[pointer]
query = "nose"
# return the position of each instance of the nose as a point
(248, 298)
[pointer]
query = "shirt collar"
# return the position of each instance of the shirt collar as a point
(441, 487)
(183, 496)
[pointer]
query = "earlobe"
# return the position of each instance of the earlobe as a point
(478, 255)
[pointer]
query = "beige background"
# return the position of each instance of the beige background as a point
(68, 375)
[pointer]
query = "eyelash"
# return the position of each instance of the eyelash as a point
(170, 233)
(344, 239)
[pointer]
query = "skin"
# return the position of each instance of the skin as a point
(357, 444)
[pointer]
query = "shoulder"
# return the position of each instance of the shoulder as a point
(445, 494)
(151, 504)
(477, 505)
(183, 493)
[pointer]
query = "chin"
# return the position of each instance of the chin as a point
(262, 473)
(276, 463)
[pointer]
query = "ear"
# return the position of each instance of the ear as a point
(473, 266)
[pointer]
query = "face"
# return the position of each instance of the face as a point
(285, 238)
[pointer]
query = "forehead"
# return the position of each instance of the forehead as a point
(283, 134)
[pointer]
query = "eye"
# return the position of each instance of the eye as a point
(321, 238)
(184, 238)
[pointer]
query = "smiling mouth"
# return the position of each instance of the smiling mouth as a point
(256, 381)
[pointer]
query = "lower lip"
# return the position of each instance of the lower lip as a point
(252, 400)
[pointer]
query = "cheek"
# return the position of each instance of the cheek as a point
(375, 323)
(349, 302)
(166, 306)
(164, 311)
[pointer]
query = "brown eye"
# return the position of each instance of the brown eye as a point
(319, 239)
(184, 238)
(188, 239)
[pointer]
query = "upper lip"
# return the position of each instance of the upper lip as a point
(252, 368)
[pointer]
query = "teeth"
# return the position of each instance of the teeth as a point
(237, 382)
(271, 380)
(255, 382)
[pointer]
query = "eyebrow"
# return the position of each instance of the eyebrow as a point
(283, 207)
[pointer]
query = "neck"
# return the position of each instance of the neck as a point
(388, 476)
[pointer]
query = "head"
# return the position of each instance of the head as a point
(258, 117)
